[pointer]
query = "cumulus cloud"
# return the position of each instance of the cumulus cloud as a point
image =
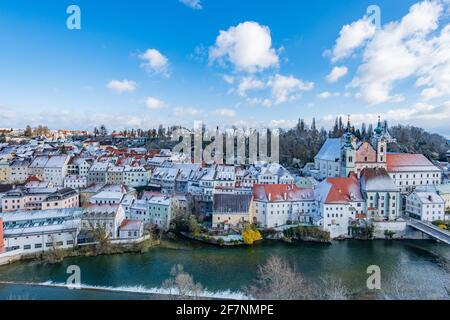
(324, 95)
(155, 62)
(285, 88)
(420, 114)
(122, 86)
(249, 83)
(351, 37)
(154, 103)
(336, 74)
(225, 112)
(193, 4)
(247, 46)
(411, 48)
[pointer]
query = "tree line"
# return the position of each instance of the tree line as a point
(301, 144)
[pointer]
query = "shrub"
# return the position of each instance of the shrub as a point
(250, 235)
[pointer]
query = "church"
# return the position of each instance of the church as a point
(343, 156)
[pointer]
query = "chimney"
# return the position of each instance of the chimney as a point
(2, 243)
(285, 196)
(270, 197)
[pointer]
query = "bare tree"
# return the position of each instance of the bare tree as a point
(331, 289)
(277, 280)
(181, 285)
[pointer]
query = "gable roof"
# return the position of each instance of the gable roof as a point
(375, 179)
(331, 150)
(399, 162)
(341, 190)
(232, 203)
(281, 193)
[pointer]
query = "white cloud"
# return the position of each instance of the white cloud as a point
(184, 112)
(324, 95)
(351, 37)
(225, 112)
(336, 74)
(228, 79)
(155, 62)
(285, 88)
(249, 83)
(193, 4)
(405, 49)
(153, 103)
(420, 114)
(247, 46)
(122, 86)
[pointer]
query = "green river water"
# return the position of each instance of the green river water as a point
(420, 269)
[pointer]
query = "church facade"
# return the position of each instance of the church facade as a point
(340, 157)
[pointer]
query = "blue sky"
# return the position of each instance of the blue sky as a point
(141, 63)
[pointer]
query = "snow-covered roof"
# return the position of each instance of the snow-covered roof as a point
(56, 161)
(39, 162)
(131, 225)
(405, 162)
(377, 179)
(166, 201)
(331, 150)
(108, 195)
(281, 193)
(428, 197)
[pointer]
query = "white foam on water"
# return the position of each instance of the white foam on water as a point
(228, 294)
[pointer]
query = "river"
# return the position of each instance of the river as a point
(419, 269)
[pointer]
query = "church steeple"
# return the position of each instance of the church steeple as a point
(379, 129)
(348, 152)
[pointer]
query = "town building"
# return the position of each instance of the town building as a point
(106, 218)
(382, 196)
(231, 210)
(131, 229)
(160, 211)
(75, 182)
(443, 191)
(276, 205)
(39, 199)
(36, 231)
(56, 169)
(18, 171)
(425, 206)
(339, 201)
(98, 173)
(410, 171)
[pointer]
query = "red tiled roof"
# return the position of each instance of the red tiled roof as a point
(33, 179)
(344, 190)
(395, 160)
(280, 192)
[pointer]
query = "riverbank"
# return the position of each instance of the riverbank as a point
(417, 265)
(85, 250)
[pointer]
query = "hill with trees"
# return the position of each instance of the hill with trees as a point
(301, 143)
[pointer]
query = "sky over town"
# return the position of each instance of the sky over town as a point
(246, 63)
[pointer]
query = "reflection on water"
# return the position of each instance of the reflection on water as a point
(410, 269)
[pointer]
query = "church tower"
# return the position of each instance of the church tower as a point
(348, 152)
(380, 141)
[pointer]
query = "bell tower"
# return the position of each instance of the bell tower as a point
(348, 152)
(380, 141)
